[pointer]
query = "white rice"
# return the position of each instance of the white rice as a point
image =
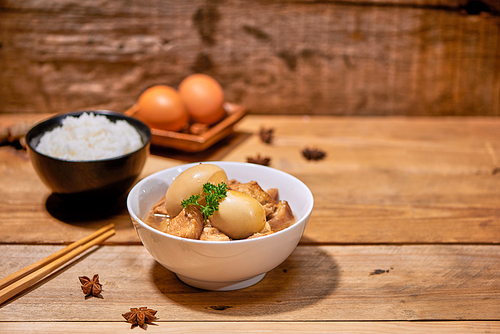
(89, 137)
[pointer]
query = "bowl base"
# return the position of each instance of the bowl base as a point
(221, 286)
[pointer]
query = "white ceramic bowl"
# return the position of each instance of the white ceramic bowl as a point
(221, 265)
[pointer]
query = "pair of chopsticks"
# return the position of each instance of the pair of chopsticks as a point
(26, 277)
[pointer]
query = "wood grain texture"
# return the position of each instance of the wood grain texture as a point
(328, 283)
(407, 180)
(461, 327)
(384, 180)
(412, 57)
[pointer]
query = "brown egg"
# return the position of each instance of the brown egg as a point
(203, 98)
(161, 107)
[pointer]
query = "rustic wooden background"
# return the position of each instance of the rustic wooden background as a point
(339, 57)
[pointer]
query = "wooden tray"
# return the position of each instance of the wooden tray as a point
(196, 143)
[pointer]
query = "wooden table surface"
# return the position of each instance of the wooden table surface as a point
(404, 236)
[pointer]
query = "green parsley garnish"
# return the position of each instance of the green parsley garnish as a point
(213, 195)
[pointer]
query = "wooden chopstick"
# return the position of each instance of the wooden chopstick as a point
(29, 269)
(24, 278)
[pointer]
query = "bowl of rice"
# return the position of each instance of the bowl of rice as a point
(93, 153)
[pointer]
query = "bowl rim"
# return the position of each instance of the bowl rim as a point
(296, 225)
(61, 116)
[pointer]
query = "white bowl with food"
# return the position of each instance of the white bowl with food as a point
(232, 247)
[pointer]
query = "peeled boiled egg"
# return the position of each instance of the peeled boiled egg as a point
(239, 215)
(203, 98)
(190, 182)
(162, 107)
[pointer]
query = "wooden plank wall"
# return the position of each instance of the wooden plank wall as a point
(338, 57)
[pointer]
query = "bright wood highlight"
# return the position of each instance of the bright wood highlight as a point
(463, 327)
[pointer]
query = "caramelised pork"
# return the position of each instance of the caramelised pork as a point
(282, 217)
(187, 224)
(253, 189)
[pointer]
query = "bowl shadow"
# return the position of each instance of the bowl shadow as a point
(281, 290)
(84, 211)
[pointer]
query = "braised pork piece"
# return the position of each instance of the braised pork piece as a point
(190, 223)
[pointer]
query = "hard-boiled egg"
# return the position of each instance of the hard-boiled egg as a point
(190, 182)
(239, 215)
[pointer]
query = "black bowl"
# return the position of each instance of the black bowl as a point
(96, 179)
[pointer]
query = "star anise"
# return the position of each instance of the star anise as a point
(140, 316)
(266, 135)
(313, 153)
(265, 161)
(91, 287)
